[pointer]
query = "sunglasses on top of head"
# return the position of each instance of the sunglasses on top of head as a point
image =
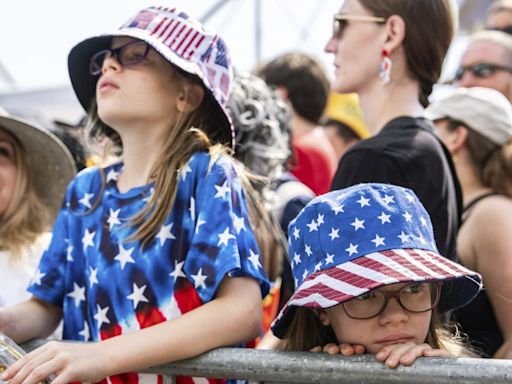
(481, 70)
(130, 53)
(341, 20)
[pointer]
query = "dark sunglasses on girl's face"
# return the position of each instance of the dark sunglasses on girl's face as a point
(481, 70)
(130, 53)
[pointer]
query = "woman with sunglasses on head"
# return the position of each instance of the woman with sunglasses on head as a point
(390, 53)
(368, 279)
(153, 258)
(476, 126)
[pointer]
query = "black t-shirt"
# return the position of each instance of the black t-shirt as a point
(407, 153)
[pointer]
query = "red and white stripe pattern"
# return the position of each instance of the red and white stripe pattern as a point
(341, 283)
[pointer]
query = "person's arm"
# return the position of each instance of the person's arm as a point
(490, 237)
(232, 317)
(28, 320)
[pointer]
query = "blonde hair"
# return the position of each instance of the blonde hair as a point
(26, 217)
(191, 133)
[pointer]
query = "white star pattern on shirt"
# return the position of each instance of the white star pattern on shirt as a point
(113, 218)
(178, 270)
(239, 223)
(149, 196)
(313, 226)
(304, 275)
(112, 175)
(185, 171)
(199, 279)
(317, 267)
(388, 199)
(384, 218)
(86, 200)
(423, 221)
(124, 256)
(137, 295)
(192, 208)
(337, 209)
(363, 202)
(352, 249)
(408, 217)
(224, 237)
(422, 240)
(38, 276)
(69, 253)
(199, 223)
(409, 197)
(101, 315)
(334, 234)
(308, 250)
(378, 240)
(329, 259)
(358, 224)
(404, 237)
(320, 219)
(93, 277)
(296, 233)
(296, 258)
(254, 258)
(87, 240)
(222, 190)
(85, 332)
(78, 294)
(165, 234)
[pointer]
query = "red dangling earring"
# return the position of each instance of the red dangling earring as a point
(385, 68)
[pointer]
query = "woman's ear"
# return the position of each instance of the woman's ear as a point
(323, 316)
(457, 139)
(190, 98)
(395, 29)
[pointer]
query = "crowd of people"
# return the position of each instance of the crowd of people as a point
(198, 206)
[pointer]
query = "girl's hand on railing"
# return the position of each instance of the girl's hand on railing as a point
(67, 362)
(343, 349)
(407, 353)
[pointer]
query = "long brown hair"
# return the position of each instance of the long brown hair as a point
(26, 217)
(191, 133)
(430, 28)
(493, 162)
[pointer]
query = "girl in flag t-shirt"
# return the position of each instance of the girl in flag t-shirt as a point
(152, 258)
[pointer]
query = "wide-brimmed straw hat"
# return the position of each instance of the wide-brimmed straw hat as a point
(50, 163)
(348, 242)
(181, 40)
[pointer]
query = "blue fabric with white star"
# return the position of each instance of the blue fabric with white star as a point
(100, 279)
(344, 225)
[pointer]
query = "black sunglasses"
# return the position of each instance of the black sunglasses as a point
(130, 53)
(341, 21)
(481, 70)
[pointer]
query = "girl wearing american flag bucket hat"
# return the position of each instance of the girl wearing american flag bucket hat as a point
(369, 278)
(153, 257)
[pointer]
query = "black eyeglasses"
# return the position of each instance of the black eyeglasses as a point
(341, 21)
(414, 298)
(481, 70)
(130, 53)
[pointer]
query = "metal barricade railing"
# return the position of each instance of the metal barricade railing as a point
(306, 367)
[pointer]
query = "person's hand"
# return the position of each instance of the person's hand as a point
(67, 362)
(343, 349)
(504, 351)
(407, 353)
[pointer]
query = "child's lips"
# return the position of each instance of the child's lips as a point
(395, 339)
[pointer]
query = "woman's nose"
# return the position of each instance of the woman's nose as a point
(393, 312)
(110, 63)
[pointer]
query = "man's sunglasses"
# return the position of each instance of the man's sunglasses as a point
(482, 70)
(341, 21)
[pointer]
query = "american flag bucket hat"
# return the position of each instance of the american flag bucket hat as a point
(181, 40)
(348, 242)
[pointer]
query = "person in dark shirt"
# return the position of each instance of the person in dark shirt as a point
(393, 77)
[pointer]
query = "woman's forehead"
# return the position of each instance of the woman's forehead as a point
(121, 40)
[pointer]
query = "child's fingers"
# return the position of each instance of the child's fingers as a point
(359, 349)
(411, 354)
(437, 353)
(346, 349)
(331, 349)
(391, 354)
(316, 349)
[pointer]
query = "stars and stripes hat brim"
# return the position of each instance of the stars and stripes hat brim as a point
(182, 41)
(348, 242)
(50, 163)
